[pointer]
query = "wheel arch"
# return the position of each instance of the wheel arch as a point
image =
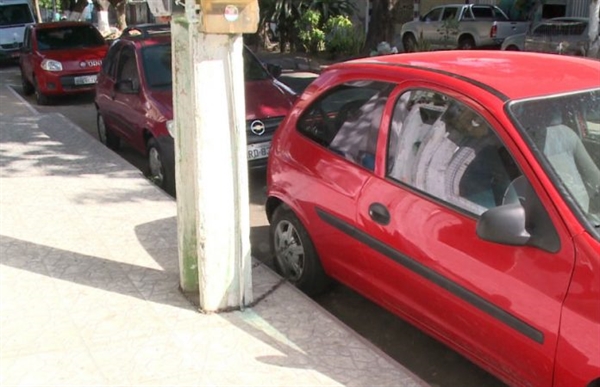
(467, 35)
(594, 383)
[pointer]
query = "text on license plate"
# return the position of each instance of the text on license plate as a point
(258, 151)
(85, 80)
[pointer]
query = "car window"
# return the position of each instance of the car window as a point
(109, 64)
(347, 119)
(449, 13)
(564, 133)
(127, 67)
(253, 69)
(64, 38)
(445, 149)
(156, 61)
(15, 14)
(433, 15)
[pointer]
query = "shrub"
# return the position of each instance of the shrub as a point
(342, 38)
(309, 33)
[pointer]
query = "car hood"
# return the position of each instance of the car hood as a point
(11, 35)
(266, 99)
(76, 56)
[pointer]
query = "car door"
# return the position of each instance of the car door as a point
(430, 26)
(25, 56)
(446, 165)
(335, 143)
(129, 112)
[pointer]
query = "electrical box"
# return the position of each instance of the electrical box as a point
(229, 16)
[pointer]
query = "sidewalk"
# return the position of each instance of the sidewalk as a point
(89, 283)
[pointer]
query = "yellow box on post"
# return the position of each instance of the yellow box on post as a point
(229, 16)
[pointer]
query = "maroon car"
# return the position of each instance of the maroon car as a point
(134, 101)
(60, 58)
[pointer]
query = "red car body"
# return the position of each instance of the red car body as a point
(144, 114)
(61, 58)
(525, 307)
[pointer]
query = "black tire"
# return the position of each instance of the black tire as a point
(27, 86)
(105, 135)
(161, 170)
(294, 254)
(512, 48)
(409, 42)
(40, 97)
(466, 43)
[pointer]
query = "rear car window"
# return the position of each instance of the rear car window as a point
(68, 38)
(574, 28)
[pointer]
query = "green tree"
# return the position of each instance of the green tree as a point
(309, 33)
(332, 8)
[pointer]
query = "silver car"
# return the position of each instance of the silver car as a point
(562, 35)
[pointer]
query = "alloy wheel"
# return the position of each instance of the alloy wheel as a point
(289, 250)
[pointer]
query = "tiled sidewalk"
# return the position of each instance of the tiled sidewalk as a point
(89, 284)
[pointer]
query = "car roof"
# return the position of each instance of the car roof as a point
(51, 25)
(507, 74)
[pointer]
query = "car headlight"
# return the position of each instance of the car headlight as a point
(51, 65)
(171, 128)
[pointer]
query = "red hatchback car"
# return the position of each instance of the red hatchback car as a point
(60, 58)
(461, 191)
(134, 101)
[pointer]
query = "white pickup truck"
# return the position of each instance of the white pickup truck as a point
(463, 26)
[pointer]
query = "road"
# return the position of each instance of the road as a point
(430, 360)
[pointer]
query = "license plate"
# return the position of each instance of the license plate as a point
(258, 151)
(85, 80)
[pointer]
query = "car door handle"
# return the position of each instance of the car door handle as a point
(379, 213)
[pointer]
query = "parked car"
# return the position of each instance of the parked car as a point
(15, 15)
(459, 190)
(463, 26)
(134, 101)
(561, 35)
(60, 59)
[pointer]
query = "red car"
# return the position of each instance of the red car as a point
(461, 191)
(134, 101)
(60, 58)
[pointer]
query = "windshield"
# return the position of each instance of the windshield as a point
(564, 132)
(253, 69)
(17, 14)
(157, 66)
(71, 37)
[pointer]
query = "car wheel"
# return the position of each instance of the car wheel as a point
(409, 42)
(105, 135)
(294, 254)
(27, 86)
(512, 48)
(160, 170)
(40, 97)
(466, 43)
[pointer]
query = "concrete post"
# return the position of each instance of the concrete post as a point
(211, 167)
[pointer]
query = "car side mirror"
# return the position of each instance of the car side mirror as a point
(504, 224)
(521, 220)
(127, 86)
(274, 69)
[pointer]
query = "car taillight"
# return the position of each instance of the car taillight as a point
(493, 31)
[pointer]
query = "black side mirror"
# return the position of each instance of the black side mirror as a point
(274, 69)
(521, 220)
(504, 224)
(127, 86)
